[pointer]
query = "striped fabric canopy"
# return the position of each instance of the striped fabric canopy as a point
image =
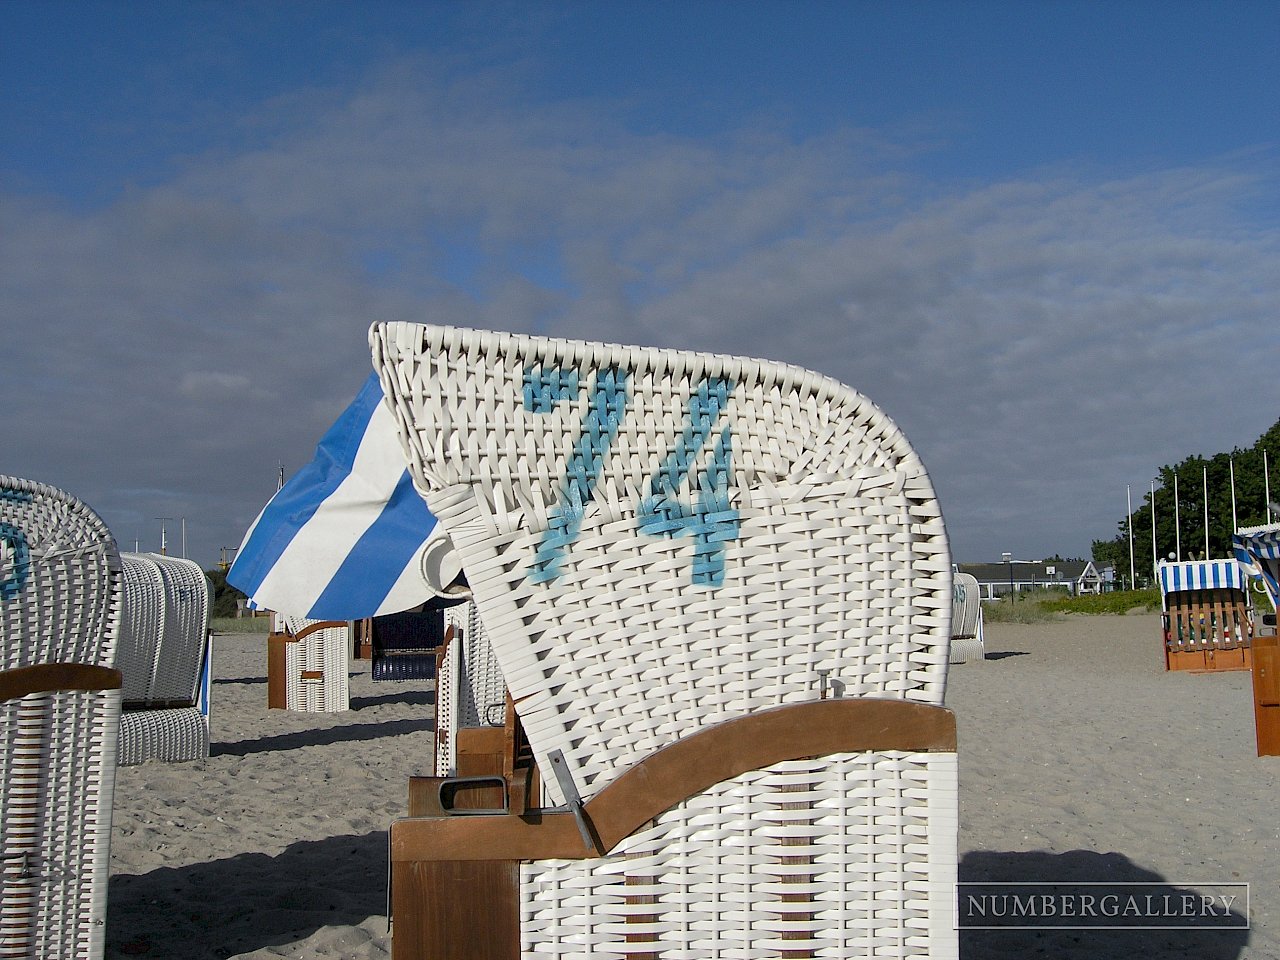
(1201, 575)
(1258, 551)
(347, 537)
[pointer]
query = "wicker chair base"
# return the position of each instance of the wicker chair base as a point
(169, 735)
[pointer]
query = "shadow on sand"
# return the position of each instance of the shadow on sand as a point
(320, 736)
(420, 698)
(1085, 866)
(210, 911)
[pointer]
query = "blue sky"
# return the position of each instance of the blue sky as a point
(1042, 236)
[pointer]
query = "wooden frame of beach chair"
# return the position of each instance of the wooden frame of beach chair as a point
(1257, 550)
(165, 655)
(1207, 617)
(60, 609)
(307, 663)
(967, 629)
(719, 593)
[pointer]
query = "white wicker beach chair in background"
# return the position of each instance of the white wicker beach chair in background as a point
(60, 604)
(316, 665)
(166, 658)
(719, 592)
(967, 640)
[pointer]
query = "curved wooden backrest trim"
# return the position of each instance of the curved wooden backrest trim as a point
(681, 770)
(311, 628)
(49, 677)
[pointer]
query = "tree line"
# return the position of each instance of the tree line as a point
(1192, 476)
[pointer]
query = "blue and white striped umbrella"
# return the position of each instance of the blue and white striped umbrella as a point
(345, 538)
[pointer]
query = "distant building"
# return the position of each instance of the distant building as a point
(994, 579)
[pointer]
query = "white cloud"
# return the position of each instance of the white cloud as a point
(1042, 341)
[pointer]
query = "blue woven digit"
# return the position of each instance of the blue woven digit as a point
(18, 547)
(606, 406)
(710, 521)
(20, 563)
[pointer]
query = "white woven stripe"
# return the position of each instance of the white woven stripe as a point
(852, 855)
(447, 683)
(142, 626)
(967, 642)
(470, 691)
(482, 697)
(186, 628)
(326, 651)
(167, 735)
(69, 608)
(840, 565)
(57, 750)
(163, 649)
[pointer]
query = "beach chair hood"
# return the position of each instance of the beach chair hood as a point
(347, 537)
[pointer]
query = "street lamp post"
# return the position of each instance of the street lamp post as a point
(164, 541)
(1008, 558)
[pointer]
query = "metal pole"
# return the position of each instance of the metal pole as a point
(1128, 499)
(1266, 483)
(184, 538)
(164, 541)
(1206, 511)
(1155, 560)
(1177, 522)
(1008, 558)
(1234, 523)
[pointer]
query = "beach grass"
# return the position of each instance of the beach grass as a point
(1043, 606)
(240, 625)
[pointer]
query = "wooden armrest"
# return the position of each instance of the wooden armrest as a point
(48, 677)
(681, 770)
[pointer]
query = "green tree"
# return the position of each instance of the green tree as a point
(225, 596)
(1193, 475)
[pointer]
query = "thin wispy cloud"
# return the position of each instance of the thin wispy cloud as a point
(1043, 339)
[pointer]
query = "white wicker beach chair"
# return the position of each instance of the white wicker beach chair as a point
(316, 666)
(59, 721)
(166, 658)
(719, 593)
(967, 640)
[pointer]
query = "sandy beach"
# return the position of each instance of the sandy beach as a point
(1080, 758)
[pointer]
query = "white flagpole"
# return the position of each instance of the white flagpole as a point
(1155, 559)
(1205, 477)
(1266, 482)
(1234, 523)
(1177, 521)
(1128, 497)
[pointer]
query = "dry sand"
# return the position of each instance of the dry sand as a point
(1081, 759)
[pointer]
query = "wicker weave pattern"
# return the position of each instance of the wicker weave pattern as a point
(60, 602)
(163, 653)
(142, 625)
(325, 651)
(470, 691)
(172, 735)
(186, 628)
(482, 693)
(967, 641)
(64, 605)
(657, 540)
(851, 855)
